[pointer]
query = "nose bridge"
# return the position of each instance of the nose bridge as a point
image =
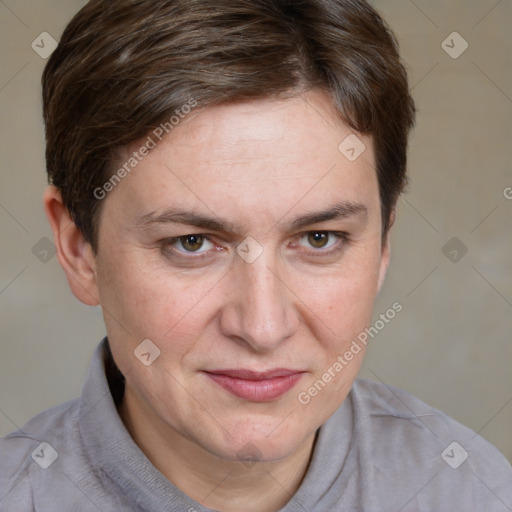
(264, 316)
(263, 288)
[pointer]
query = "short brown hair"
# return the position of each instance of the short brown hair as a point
(122, 67)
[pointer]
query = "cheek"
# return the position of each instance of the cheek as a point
(142, 300)
(344, 299)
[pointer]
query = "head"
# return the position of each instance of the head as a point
(205, 194)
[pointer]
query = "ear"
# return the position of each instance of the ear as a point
(386, 252)
(75, 255)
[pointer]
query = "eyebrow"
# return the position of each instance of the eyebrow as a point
(341, 210)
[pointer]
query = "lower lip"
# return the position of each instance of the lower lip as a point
(256, 390)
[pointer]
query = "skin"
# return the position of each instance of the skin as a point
(257, 165)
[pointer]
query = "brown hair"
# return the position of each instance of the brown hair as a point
(122, 67)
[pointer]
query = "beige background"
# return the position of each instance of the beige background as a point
(451, 344)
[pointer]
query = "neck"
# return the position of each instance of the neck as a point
(212, 481)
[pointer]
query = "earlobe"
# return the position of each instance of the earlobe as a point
(74, 253)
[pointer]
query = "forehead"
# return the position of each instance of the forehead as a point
(254, 156)
(256, 130)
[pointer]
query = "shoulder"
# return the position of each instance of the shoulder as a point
(419, 447)
(54, 423)
(400, 418)
(379, 400)
(40, 442)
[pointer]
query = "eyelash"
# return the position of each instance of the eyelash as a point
(337, 247)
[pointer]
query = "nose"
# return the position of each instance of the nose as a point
(260, 310)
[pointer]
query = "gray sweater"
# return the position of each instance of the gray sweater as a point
(383, 450)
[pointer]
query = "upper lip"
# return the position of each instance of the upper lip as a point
(255, 375)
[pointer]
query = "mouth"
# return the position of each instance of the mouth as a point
(256, 386)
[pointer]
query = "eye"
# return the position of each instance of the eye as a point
(324, 242)
(190, 243)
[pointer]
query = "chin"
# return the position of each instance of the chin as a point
(257, 441)
(251, 451)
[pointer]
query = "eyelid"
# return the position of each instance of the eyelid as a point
(340, 235)
(174, 240)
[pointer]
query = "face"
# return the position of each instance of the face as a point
(247, 248)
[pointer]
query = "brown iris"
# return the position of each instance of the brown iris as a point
(318, 239)
(192, 242)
